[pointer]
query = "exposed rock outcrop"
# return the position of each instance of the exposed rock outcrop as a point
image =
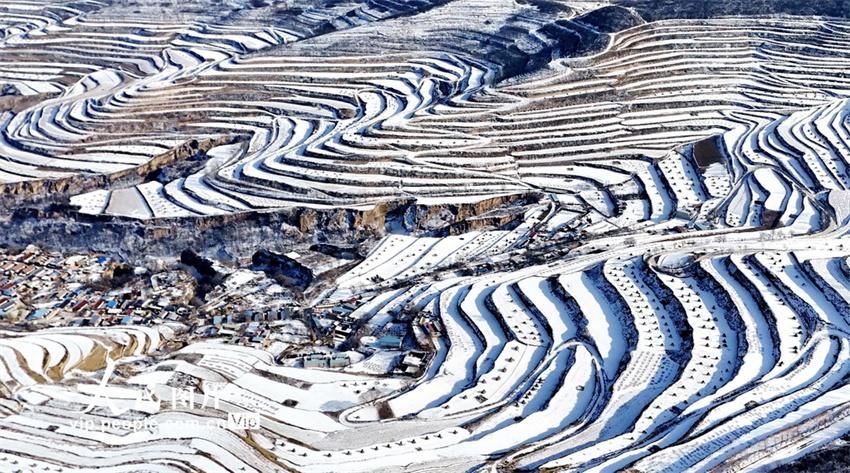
(61, 227)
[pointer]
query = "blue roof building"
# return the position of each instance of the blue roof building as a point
(390, 341)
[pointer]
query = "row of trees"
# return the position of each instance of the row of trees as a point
(795, 434)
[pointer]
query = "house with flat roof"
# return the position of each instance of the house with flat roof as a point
(315, 360)
(391, 342)
(339, 360)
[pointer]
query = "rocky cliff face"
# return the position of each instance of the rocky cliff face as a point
(282, 268)
(238, 235)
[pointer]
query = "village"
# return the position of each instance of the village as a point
(48, 289)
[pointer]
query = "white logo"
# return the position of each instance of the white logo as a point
(146, 400)
(120, 399)
(116, 398)
(243, 420)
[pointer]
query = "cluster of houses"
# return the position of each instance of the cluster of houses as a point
(83, 307)
(410, 363)
(429, 324)
(248, 328)
(36, 284)
(322, 360)
(336, 319)
(254, 333)
(42, 287)
(413, 363)
(344, 323)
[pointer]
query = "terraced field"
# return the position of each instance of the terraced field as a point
(676, 300)
(604, 361)
(354, 130)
